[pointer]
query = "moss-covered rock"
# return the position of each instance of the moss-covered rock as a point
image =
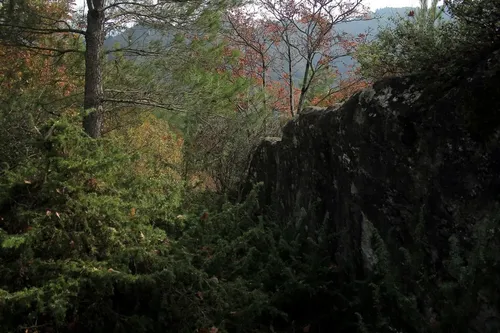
(405, 169)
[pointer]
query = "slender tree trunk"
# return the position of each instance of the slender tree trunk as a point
(264, 83)
(290, 78)
(94, 93)
(305, 86)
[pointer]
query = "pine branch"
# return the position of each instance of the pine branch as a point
(143, 102)
(41, 48)
(132, 51)
(43, 31)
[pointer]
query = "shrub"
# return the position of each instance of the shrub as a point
(79, 249)
(441, 41)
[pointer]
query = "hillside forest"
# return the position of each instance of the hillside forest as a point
(126, 133)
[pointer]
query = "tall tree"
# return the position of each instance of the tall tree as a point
(305, 40)
(310, 28)
(22, 20)
(256, 38)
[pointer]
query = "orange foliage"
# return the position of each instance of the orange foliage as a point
(40, 71)
(346, 89)
(23, 70)
(158, 146)
(253, 37)
(279, 96)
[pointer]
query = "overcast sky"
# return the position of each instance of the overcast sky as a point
(376, 4)
(373, 4)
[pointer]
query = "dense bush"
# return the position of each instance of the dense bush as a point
(408, 43)
(80, 249)
(439, 40)
(91, 243)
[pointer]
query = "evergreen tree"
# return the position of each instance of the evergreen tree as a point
(22, 21)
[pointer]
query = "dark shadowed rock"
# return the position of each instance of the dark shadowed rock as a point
(395, 158)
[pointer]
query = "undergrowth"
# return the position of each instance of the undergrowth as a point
(91, 244)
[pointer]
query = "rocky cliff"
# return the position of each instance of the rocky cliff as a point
(406, 177)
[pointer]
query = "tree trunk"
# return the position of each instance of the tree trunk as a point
(264, 83)
(94, 93)
(290, 77)
(305, 85)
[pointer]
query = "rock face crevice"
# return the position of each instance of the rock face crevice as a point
(395, 156)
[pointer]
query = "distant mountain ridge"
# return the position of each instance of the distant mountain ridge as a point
(141, 36)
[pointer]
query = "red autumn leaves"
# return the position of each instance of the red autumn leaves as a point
(288, 47)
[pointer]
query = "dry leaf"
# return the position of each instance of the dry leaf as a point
(27, 182)
(92, 183)
(132, 212)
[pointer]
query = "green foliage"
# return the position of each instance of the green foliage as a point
(219, 136)
(408, 44)
(81, 248)
(428, 43)
(478, 22)
(412, 293)
(289, 267)
(472, 287)
(36, 84)
(195, 91)
(79, 241)
(87, 244)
